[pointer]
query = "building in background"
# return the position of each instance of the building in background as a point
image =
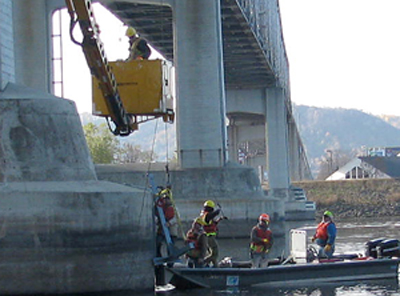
(380, 163)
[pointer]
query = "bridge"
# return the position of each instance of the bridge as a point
(255, 64)
(58, 207)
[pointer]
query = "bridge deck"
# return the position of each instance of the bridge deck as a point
(244, 60)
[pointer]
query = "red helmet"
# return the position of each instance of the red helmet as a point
(264, 217)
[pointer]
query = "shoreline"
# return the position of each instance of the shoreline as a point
(355, 198)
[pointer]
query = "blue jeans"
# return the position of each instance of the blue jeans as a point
(321, 252)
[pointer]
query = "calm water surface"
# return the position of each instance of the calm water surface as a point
(352, 235)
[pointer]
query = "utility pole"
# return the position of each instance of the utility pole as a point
(330, 161)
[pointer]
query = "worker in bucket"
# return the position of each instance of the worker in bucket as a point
(210, 217)
(260, 242)
(325, 236)
(138, 47)
(197, 236)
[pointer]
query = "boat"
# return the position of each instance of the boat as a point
(282, 275)
(378, 263)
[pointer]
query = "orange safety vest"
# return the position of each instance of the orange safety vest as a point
(322, 231)
(193, 238)
(260, 247)
(211, 227)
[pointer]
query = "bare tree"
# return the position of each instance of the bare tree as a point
(130, 153)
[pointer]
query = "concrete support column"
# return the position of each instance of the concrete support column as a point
(201, 128)
(7, 61)
(277, 143)
(233, 147)
(31, 43)
(294, 152)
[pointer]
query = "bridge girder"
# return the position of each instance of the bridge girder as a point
(245, 63)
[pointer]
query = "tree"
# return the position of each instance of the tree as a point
(130, 153)
(102, 144)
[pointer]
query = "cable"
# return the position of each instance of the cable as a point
(148, 170)
(166, 154)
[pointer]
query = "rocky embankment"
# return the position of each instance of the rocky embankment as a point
(355, 198)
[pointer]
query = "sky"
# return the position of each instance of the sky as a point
(77, 78)
(342, 53)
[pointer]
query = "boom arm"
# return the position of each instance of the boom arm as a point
(81, 12)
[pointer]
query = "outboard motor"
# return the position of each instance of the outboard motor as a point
(382, 247)
(370, 247)
(389, 248)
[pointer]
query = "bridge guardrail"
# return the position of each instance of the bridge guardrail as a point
(265, 21)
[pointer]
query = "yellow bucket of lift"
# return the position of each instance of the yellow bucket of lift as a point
(144, 87)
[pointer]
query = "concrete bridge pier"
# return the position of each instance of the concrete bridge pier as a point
(277, 143)
(62, 230)
(294, 151)
(201, 128)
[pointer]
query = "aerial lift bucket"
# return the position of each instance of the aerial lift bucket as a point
(144, 86)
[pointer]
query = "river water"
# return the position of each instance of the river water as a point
(352, 236)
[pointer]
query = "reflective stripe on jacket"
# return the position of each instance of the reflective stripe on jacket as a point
(211, 227)
(260, 246)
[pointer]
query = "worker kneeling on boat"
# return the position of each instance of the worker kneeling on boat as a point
(197, 236)
(325, 236)
(261, 242)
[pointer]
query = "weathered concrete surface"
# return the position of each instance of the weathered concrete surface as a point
(69, 237)
(62, 230)
(236, 188)
(41, 138)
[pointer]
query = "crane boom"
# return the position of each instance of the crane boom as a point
(81, 12)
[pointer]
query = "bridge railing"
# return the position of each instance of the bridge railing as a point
(264, 19)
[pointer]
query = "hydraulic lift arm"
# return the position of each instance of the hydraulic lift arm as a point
(81, 12)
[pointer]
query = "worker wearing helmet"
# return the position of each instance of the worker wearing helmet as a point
(210, 219)
(165, 203)
(138, 47)
(198, 238)
(325, 236)
(260, 242)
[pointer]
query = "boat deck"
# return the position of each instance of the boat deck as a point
(281, 275)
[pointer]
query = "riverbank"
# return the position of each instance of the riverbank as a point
(355, 198)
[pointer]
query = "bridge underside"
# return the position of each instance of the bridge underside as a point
(242, 51)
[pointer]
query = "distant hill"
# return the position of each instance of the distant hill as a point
(345, 130)
(392, 120)
(321, 129)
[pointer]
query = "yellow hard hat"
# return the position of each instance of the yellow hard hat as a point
(209, 203)
(328, 214)
(130, 32)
